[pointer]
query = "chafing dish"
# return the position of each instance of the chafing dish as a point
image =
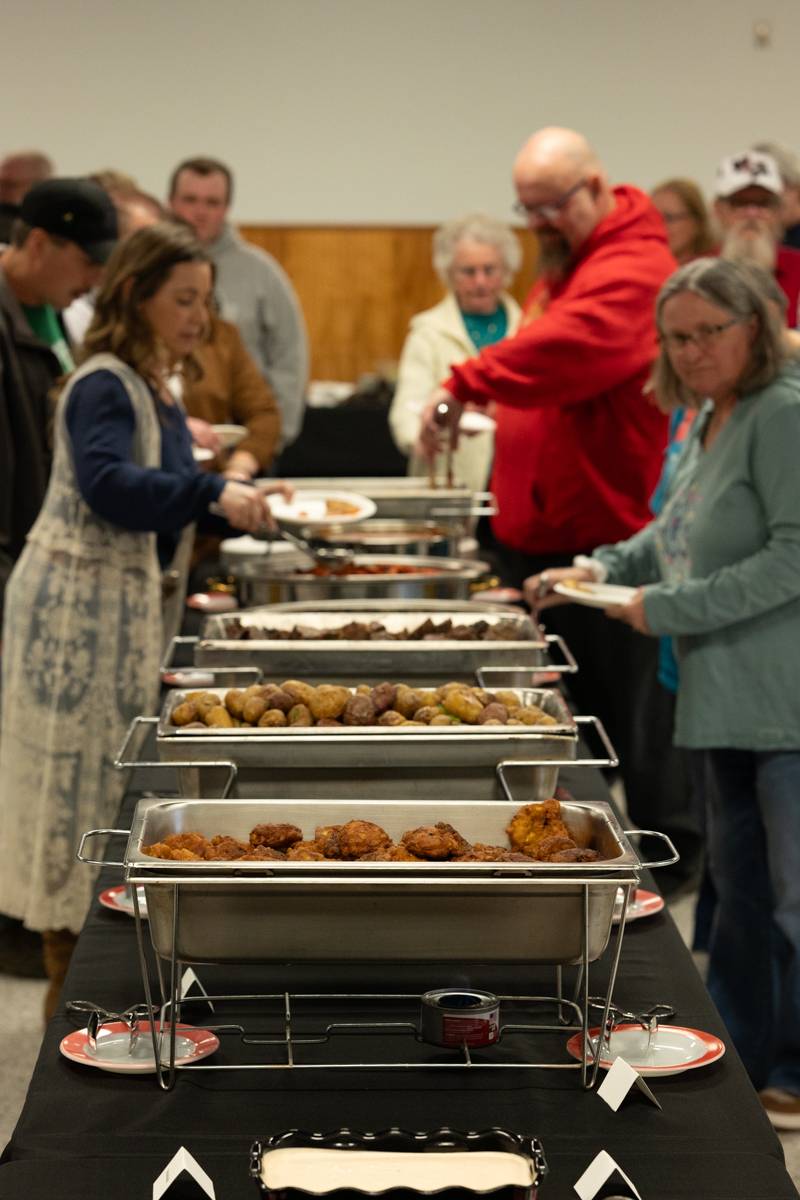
(266, 582)
(526, 647)
(390, 537)
(370, 911)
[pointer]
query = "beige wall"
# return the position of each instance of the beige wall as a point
(391, 111)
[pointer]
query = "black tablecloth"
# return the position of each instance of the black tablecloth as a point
(88, 1133)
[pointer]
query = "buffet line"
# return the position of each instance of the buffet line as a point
(367, 771)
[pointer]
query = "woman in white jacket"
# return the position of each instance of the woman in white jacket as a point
(475, 257)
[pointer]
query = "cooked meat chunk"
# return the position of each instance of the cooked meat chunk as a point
(222, 848)
(575, 854)
(304, 851)
(534, 822)
(357, 838)
(327, 840)
(277, 837)
(435, 841)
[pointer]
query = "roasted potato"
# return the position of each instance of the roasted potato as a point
(235, 702)
(254, 709)
(300, 714)
(359, 710)
(219, 718)
(272, 718)
(328, 701)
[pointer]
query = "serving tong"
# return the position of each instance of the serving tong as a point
(318, 550)
(99, 1016)
(443, 417)
(648, 1020)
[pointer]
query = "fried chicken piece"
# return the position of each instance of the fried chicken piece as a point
(357, 838)
(327, 840)
(435, 842)
(554, 843)
(171, 853)
(277, 837)
(261, 853)
(534, 822)
(191, 840)
(575, 854)
(304, 852)
(223, 849)
(480, 852)
(517, 856)
(394, 853)
(184, 855)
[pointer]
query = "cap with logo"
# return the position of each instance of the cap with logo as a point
(750, 169)
(75, 209)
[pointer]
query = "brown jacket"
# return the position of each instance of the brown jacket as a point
(233, 391)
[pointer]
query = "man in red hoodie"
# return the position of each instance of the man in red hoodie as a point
(578, 448)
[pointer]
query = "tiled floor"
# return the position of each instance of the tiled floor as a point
(21, 1031)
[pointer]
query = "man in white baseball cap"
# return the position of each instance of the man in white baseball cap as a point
(747, 207)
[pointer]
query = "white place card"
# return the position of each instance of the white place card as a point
(189, 979)
(598, 1173)
(183, 1176)
(619, 1080)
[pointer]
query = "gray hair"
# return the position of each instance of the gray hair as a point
(742, 290)
(475, 227)
(787, 162)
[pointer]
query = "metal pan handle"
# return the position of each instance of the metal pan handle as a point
(100, 862)
(656, 833)
(611, 761)
(568, 667)
(168, 665)
(122, 763)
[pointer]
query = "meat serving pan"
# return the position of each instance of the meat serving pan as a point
(523, 645)
(278, 910)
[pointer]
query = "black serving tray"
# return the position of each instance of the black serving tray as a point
(405, 1141)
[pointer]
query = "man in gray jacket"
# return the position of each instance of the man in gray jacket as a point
(254, 292)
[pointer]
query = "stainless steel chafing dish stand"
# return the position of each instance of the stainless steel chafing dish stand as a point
(457, 761)
(267, 582)
(342, 764)
(437, 659)
(376, 912)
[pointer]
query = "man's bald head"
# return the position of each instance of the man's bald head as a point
(20, 171)
(563, 189)
(556, 155)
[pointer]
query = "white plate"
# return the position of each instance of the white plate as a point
(674, 1049)
(119, 899)
(201, 454)
(230, 435)
(311, 508)
(596, 595)
(212, 602)
(643, 904)
(473, 421)
(111, 1052)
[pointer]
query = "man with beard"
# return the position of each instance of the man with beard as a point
(578, 447)
(749, 191)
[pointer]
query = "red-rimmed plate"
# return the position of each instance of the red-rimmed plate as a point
(674, 1049)
(212, 602)
(643, 904)
(112, 1050)
(119, 899)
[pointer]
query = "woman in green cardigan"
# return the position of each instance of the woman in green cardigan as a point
(719, 571)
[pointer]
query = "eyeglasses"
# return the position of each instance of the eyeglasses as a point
(551, 211)
(703, 337)
(671, 218)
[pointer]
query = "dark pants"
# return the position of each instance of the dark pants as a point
(617, 681)
(754, 952)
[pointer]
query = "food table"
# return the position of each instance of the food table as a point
(85, 1132)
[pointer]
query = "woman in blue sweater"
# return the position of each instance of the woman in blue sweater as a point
(81, 638)
(719, 571)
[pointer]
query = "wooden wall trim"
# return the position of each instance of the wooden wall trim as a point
(360, 285)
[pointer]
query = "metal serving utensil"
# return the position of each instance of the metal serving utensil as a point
(99, 1016)
(442, 418)
(322, 554)
(648, 1020)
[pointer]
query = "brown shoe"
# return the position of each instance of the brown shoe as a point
(782, 1108)
(20, 951)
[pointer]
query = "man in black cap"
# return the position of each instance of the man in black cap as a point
(65, 232)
